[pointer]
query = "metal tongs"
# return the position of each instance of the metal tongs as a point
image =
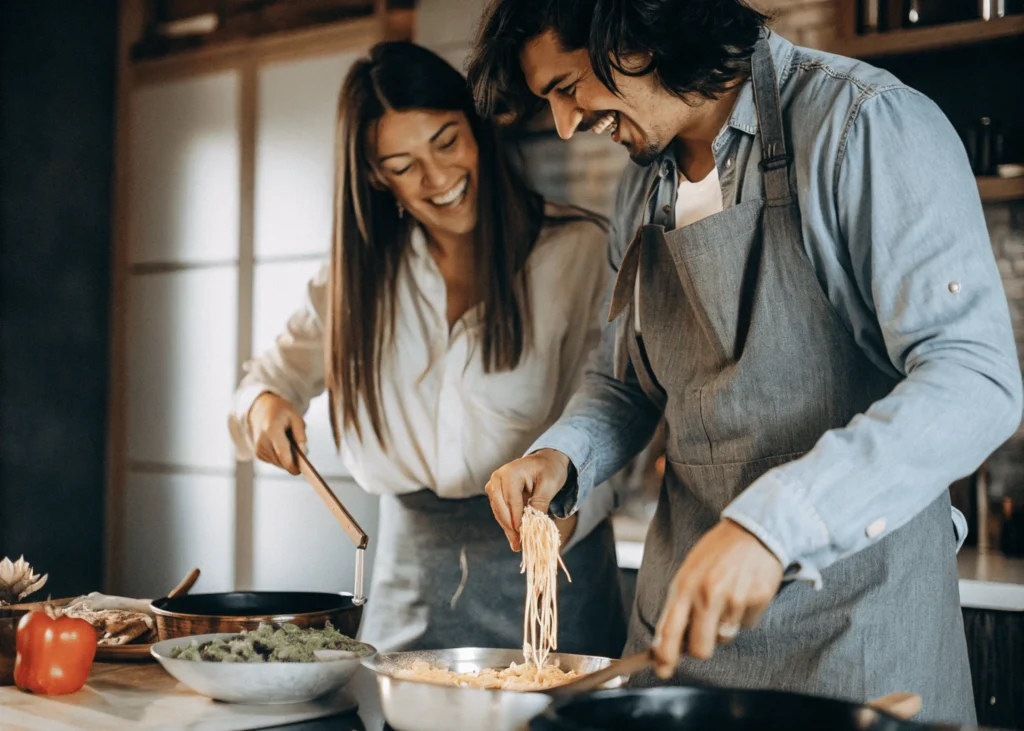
(338, 510)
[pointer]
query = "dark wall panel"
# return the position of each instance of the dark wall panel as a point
(56, 161)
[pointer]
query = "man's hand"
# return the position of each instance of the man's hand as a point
(535, 478)
(270, 416)
(726, 582)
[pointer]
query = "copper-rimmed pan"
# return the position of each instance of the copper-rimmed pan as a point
(234, 611)
(197, 614)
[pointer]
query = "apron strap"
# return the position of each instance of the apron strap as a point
(775, 158)
(622, 290)
(663, 193)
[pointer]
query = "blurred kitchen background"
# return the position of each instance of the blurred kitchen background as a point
(166, 183)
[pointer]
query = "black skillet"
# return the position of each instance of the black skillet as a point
(716, 709)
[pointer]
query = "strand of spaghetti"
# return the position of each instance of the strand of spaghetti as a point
(540, 544)
(464, 565)
(562, 564)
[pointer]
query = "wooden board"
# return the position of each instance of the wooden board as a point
(130, 697)
(124, 653)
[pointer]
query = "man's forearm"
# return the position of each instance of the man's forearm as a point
(605, 425)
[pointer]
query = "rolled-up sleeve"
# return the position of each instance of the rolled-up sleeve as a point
(293, 368)
(908, 208)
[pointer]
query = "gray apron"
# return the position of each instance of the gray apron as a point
(740, 344)
(416, 572)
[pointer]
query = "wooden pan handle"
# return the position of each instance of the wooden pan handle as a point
(351, 527)
(901, 705)
(185, 585)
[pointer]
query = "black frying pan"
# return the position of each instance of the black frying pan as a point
(716, 709)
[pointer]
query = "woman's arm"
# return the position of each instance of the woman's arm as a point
(293, 368)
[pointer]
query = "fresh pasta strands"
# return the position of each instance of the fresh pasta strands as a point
(524, 677)
(540, 544)
(464, 565)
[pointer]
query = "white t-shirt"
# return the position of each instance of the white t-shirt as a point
(694, 201)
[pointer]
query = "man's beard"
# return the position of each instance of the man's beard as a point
(645, 155)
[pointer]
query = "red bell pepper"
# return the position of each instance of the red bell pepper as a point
(54, 653)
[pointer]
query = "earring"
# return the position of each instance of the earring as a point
(401, 210)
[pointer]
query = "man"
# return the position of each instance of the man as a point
(804, 288)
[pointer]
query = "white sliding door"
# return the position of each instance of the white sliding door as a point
(206, 282)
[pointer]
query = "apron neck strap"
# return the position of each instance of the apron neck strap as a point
(775, 158)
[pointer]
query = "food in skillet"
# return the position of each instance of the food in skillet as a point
(522, 677)
(288, 643)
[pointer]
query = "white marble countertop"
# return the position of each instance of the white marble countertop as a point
(987, 580)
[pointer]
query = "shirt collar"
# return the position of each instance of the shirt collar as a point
(418, 240)
(744, 112)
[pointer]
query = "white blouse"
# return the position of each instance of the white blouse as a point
(449, 424)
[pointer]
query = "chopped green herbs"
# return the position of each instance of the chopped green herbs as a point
(289, 643)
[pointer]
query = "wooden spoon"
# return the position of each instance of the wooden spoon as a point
(901, 705)
(629, 665)
(185, 584)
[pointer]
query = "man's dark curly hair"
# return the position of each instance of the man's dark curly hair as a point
(697, 47)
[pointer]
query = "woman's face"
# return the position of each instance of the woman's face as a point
(429, 161)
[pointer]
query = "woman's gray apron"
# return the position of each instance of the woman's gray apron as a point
(741, 345)
(416, 573)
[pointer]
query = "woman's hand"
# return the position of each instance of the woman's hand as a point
(270, 417)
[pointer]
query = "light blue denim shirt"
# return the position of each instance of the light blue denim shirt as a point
(892, 224)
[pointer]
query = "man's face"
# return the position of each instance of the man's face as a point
(644, 119)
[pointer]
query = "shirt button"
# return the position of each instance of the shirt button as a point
(875, 529)
(666, 208)
(666, 168)
(954, 287)
(728, 163)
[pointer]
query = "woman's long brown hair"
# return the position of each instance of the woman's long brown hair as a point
(370, 238)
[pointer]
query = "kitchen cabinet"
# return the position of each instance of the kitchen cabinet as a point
(181, 369)
(995, 643)
(183, 169)
(172, 524)
(224, 211)
(294, 156)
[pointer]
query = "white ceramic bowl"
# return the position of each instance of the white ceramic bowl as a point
(263, 683)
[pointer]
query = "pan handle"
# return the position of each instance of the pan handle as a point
(341, 514)
(901, 705)
(186, 584)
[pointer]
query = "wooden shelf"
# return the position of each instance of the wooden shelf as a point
(995, 190)
(897, 42)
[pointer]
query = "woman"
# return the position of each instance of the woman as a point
(448, 336)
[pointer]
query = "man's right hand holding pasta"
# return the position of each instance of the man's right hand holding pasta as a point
(534, 479)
